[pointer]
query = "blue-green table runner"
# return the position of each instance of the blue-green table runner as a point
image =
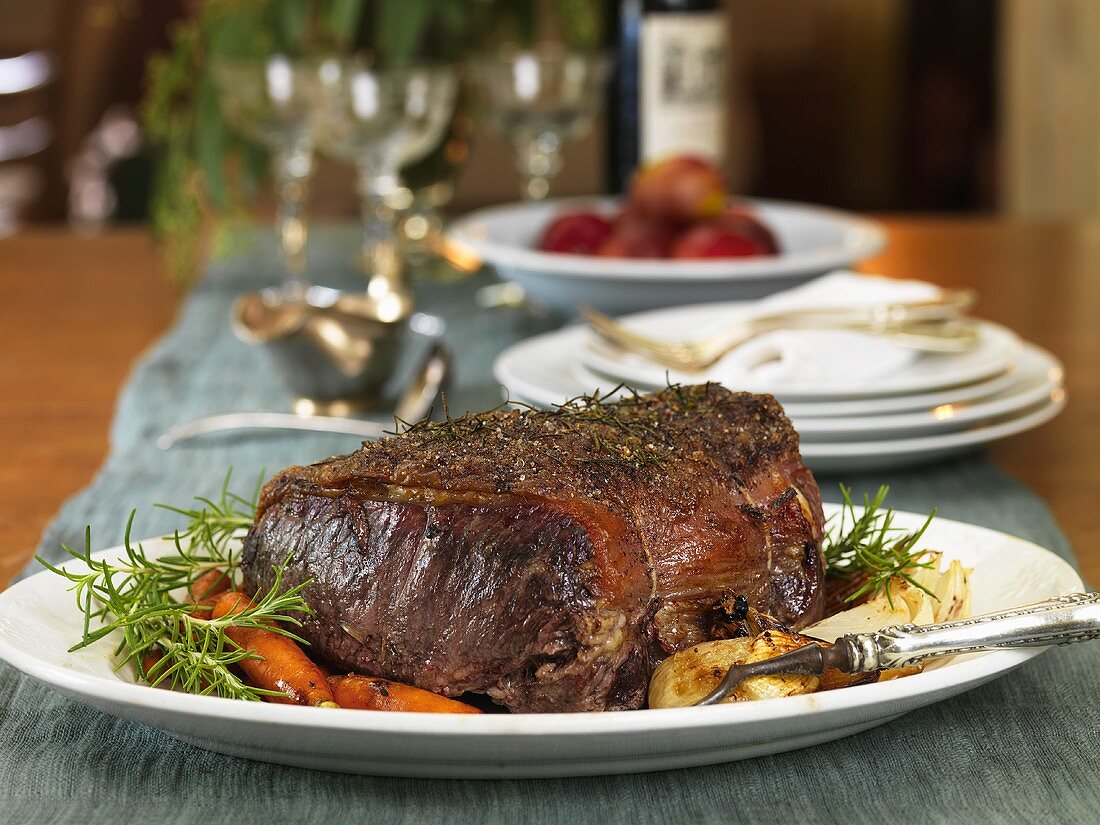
(1025, 748)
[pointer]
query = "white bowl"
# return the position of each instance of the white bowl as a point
(813, 240)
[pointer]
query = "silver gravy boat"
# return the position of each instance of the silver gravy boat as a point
(334, 350)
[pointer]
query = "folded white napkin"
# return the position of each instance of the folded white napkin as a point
(809, 359)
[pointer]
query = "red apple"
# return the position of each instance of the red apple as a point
(713, 240)
(635, 236)
(681, 189)
(580, 233)
(739, 220)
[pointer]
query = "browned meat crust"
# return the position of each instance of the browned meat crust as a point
(549, 559)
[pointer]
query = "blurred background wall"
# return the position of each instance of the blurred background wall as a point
(888, 105)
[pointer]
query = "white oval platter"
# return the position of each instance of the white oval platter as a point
(39, 622)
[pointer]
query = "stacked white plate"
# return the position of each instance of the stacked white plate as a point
(926, 408)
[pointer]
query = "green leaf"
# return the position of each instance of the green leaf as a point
(255, 163)
(292, 21)
(401, 28)
(527, 22)
(581, 22)
(341, 20)
(239, 30)
(210, 141)
(452, 17)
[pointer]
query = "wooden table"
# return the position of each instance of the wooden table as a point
(77, 311)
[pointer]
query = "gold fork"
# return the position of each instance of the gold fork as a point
(931, 326)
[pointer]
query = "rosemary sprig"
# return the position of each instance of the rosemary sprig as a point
(867, 546)
(215, 524)
(164, 635)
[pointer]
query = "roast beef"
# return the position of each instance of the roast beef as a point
(548, 559)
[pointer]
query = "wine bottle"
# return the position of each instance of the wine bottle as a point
(668, 94)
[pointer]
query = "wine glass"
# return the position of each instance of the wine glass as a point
(430, 186)
(538, 99)
(269, 101)
(381, 120)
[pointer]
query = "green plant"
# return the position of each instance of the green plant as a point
(204, 172)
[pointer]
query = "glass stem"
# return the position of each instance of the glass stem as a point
(539, 160)
(292, 167)
(380, 251)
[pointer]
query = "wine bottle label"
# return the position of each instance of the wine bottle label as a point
(683, 85)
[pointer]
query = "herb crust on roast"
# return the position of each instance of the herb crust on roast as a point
(549, 559)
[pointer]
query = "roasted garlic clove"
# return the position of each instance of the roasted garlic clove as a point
(687, 676)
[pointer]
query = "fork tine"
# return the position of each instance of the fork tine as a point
(615, 332)
(675, 354)
(933, 326)
(807, 659)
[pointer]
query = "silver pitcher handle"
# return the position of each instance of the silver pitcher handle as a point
(1057, 621)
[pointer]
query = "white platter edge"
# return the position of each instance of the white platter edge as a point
(531, 745)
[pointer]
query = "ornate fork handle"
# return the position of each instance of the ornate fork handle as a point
(1058, 621)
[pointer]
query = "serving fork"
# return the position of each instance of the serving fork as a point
(1057, 621)
(933, 326)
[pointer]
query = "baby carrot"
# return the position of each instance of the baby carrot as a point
(151, 659)
(283, 666)
(207, 587)
(369, 693)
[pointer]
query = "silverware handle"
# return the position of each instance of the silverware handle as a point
(950, 305)
(270, 421)
(1058, 621)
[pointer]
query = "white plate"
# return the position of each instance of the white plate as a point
(546, 369)
(38, 622)
(866, 456)
(814, 240)
(859, 407)
(1038, 380)
(996, 351)
(846, 456)
(539, 372)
